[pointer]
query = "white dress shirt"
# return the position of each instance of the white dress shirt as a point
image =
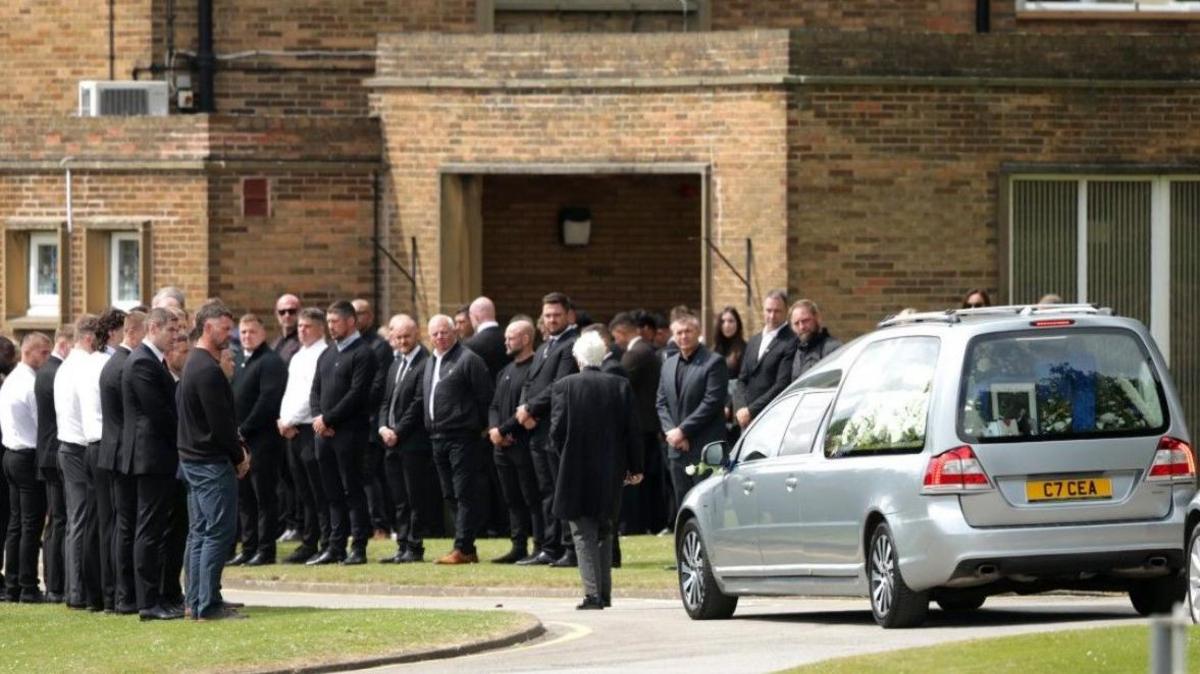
(18, 409)
(768, 337)
(89, 395)
(68, 382)
(294, 409)
(437, 376)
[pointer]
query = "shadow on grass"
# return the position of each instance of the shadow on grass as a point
(981, 618)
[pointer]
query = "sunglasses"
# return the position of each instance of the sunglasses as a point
(286, 312)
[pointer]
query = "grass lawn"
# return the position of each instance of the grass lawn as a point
(50, 638)
(1095, 651)
(643, 569)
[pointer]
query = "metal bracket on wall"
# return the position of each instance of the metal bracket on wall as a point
(749, 266)
(396, 263)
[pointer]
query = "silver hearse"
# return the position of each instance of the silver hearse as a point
(951, 456)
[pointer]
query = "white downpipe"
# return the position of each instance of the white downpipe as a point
(70, 210)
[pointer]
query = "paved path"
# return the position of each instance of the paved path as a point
(654, 635)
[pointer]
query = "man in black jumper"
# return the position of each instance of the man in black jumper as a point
(53, 561)
(340, 403)
(454, 399)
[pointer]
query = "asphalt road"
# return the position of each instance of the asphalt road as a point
(765, 634)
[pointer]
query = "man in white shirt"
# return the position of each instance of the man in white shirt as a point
(82, 579)
(18, 426)
(295, 424)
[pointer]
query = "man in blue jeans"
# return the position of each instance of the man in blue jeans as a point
(212, 461)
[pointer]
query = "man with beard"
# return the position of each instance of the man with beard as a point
(815, 342)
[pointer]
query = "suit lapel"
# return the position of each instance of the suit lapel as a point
(675, 395)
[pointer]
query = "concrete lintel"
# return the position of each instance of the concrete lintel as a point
(41, 223)
(597, 168)
(596, 5)
(1007, 82)
(361, 165)
(559, 83)
(55, 166)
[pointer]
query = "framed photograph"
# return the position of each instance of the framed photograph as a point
(1014, 406)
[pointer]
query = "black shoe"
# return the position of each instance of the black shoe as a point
(261, 560)
(356, 557)
(32, 597)
(512, 557)
(606, 599)
(540, 559)
(326, 557)
(590, 603)
(300, 556)
(411, 556)
(175, 607)
(394, 559)
(238, 559)
(232, 604)
(95, 608)
(125, 609)
(567, 561)
(54, 598)
(158, 613)
(222, 612)
(76, 607)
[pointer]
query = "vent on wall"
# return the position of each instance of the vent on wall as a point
(100, 98)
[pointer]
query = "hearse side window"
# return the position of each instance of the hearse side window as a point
(803, 428)
(764, 435)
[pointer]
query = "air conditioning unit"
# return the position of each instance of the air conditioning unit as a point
(104, 97)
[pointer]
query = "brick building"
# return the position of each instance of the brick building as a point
(870, 155)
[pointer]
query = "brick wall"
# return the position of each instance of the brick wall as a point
(949, 16)
(645, 248)
(594, 22)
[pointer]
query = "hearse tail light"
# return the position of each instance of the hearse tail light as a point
(955, 471)
(1053, 323)
(1173, 462)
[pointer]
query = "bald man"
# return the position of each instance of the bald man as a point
(287, 314)
(488, 343)
(379, 502)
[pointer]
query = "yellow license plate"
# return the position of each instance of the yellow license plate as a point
(1069, 490)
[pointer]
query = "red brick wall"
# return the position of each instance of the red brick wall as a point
(594, 22)
(948, 16)
(645, 247)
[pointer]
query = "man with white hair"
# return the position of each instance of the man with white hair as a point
(593, 427)
(454, 398)
(168, 297)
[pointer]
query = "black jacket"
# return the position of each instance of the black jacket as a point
(489, 345)
(761, 380)
(593, 425)
(698, 407)
(148, 432)
(643, 366)
(502, 411)
(286, 345)
(206, 410)
(552, 361)
(111, 408)
(612, 364)
(403, 407)
(383, 360)
(341, 390)
(809, 354)
(47, 433)
(460, 403)
(258, 385)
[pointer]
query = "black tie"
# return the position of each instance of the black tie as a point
(396, 392)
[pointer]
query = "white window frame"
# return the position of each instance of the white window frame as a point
(1160, 242)
(39, 304)
(114, 269)
(1109, 6)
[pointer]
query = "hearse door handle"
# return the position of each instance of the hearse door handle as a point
(748, 486)
(790, 483)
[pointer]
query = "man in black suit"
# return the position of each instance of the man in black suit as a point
(552, 362)
(291, 509)
(340, 402)
(690, 402)
(767, 365)
(53, 561)
(488, 344)
(454, 398)
(119, 530)
(148, 437)
(510, 442)
(379, 502)
(408, 459)
(643, 507)
(257, 391)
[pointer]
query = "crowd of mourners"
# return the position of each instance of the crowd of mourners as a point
(147, 445)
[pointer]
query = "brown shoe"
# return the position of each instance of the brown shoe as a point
(457, 556)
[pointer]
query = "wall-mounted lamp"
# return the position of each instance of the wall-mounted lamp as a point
(575, 226)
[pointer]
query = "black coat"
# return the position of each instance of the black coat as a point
(643, 366)
(47, 433)
(341, 389)
(762, 379)
(552, 361)
(612, 365)
(502, 411)
(698, 407)
(258, 385)
(112, 409)
(383, 360)
(489, 345)
(593, 425)
(809, 354)
(148, 432)
(410, 421)
(464, 392)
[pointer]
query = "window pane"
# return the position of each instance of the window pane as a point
(1119, 246)
(1185, 288)
(885, 401)
(47, 270)
(799, 436)
(128, 271)
(763, 437)
(1045, 224)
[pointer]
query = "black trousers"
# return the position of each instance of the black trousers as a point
(124, 530)
(5, 514)
(290, 508)
(518, 481)
(175, 545)
(106, 518)
(545, 466)
(341, 463)
(53, 561)
(415, 488)
(681, 482)
(459, 463)
(80, 550)
(307, 489)
(258, 500)
(155, 501)
(380, 507)
(27, 514)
